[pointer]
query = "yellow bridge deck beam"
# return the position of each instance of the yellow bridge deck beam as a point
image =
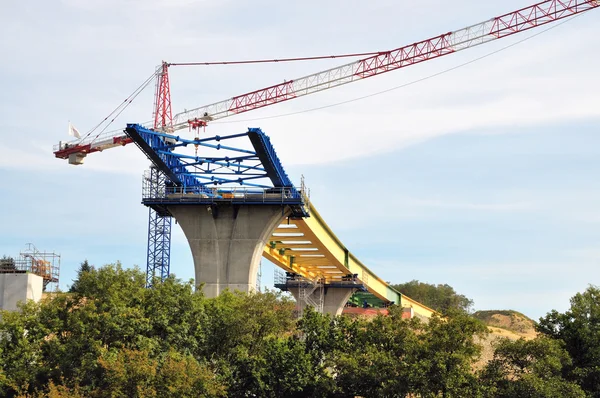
(308, 247)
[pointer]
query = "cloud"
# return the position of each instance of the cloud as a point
(442, 204)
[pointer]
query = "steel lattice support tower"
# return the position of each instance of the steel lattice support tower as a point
(159, 247)
(159, 226)
(159, 231)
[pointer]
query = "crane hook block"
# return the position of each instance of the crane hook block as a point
(197, 123)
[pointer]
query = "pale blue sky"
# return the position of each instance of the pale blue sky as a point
(482, 178)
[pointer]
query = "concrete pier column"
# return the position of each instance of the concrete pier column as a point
(334, 299)
(227, 242)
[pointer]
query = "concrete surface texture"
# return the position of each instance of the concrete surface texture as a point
(334, 299)
(19, 287)
(227, 242)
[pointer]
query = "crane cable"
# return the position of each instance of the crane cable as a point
(137, 91)
(119, 109)
(264, 61)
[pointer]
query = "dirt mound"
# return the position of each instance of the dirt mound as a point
(502, 324)
(509, 320)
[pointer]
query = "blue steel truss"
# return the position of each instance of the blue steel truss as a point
(175, 175)
(195, 174)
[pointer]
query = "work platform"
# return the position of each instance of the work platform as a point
(290, 197)
(324, 296)
(293, 281)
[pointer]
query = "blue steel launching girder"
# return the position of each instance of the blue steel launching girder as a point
(209, 179)
(268, 157)
(195, 174)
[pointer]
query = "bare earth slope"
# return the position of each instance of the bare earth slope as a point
(503, 324)
(509, 320)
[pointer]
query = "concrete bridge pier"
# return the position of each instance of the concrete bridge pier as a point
(227, 242)
(334, 298)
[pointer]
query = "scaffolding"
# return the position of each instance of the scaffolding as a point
(310, 293)
(44, 264)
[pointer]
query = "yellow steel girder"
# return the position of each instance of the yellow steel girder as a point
(308, 247)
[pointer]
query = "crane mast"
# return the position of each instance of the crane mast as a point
(447, 43)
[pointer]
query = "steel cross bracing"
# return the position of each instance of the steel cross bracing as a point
(193, 173)
(447, 43)
(159, 231)
(159, 247)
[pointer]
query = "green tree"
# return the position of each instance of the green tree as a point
(442, 298)
(376, 356)
(114, 337)
(83, 268)
(528, 369)
(447, 350)
(239, 336)
(579, 329)
(181, 375)
(127, 373)
(242, 323)
(76, 340)
(394, 357)
(282, 369)
(22, 336)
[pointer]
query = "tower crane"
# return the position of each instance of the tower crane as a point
(542, 13)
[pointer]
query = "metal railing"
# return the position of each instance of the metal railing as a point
(271, 195)
(154, 189)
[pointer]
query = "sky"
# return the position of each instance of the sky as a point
(477, 169)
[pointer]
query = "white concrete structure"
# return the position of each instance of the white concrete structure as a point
(334, 299)
(17, 287)
(227, 247)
